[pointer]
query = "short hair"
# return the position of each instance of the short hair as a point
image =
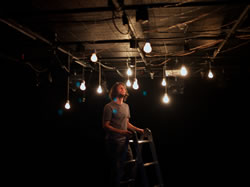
(113, 91)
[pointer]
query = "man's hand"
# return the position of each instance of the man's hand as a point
(141, 131)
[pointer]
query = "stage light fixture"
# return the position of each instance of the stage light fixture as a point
(124, 19)
(142, 14)
(133, 44)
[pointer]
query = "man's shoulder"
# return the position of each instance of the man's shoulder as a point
(125, 104)
(108, 104)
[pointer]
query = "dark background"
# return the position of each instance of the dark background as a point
(200, 136)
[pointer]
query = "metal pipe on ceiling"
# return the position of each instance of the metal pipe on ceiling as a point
(172, 39)
(243, 14)
(36, 36)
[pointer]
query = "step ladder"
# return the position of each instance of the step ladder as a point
(137, 143)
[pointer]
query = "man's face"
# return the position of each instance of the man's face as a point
(121, 90)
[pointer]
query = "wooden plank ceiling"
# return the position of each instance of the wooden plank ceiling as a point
(189, 32)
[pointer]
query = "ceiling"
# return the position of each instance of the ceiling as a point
(193, 33)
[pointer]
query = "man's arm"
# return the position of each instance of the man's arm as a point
(132, 127)
(107, 126)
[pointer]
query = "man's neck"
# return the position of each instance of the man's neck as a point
(119, 100)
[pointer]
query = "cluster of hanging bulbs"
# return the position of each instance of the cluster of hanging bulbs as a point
(183, 72)
(135, 83)
(147, 49)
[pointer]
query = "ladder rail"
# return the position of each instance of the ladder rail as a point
(146, 138)
(139, 160)
(155, 159)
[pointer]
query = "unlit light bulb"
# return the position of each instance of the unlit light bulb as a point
(147, 47)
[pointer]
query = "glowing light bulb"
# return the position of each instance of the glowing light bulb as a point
(128, 83)
(129, 72)
(99, 89)
(163, 82)
(135, 84)
(93, 57)
(165, 98)
(83, 86)
(147, 47)
(67, 105)
(184, 71)
(210, 74)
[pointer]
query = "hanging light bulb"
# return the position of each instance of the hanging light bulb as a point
(128, 83)
(83, 86)
(183, 71)
(135, 84)
(210, 74)
(99, 89)
(67, 105)
(129, 71)
(147, 47)
(163, 82)
(93, 57)
(165, 98)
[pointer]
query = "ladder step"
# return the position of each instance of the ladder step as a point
(127, 181)
(144, 141)
(150, 163)
(159, 185)
(140, 141)
(146, 138)
(130, 161)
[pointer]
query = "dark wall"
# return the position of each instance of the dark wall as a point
(195, 135)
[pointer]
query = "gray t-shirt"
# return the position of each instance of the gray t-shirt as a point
(117, 115)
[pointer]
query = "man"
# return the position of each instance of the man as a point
(117, 127)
